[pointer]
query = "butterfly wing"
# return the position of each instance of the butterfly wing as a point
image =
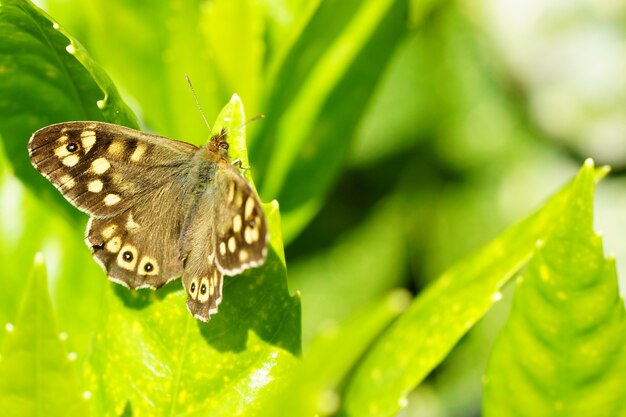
(102, 168)
(139, 247)
(241, 232)
(132, 184)
(224, 235)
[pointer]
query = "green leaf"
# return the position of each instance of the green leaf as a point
(37, 377)
(352, 277)
(152, 355)
(316, 99)
(46, 77)
(562, 351)
(76, 281)
(422, 337)
(206, 40)
(312, 388)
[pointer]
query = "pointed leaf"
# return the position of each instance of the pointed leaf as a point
(37, 377)
(422, 337)
(562, 351)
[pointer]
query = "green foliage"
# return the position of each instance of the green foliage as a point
(37, 376)
(562, 351)
(373, 109)
(47, 77)
(420, 339)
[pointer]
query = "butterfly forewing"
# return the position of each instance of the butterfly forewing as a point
(139, 248)
(101, 168)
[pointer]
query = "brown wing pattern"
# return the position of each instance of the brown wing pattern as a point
(225, 233)
(101, 168)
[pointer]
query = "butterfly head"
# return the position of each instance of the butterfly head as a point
(219, 145)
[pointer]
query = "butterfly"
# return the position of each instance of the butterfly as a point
(159, 208)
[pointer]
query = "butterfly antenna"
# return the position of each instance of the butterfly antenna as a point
(255, 118)
(195, 97)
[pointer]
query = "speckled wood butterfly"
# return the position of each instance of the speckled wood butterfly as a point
(159, 208)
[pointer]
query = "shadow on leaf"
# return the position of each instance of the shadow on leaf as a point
(143, 298)
(256, 300)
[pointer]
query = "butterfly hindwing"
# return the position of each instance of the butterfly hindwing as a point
(241, 229)
(138, 248)
(203, 282)
(224, 234)
(101, 168)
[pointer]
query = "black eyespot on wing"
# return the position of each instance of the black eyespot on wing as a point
(127, 256)
(193, 287)
(72, 147)
(148, 267)
(203, 289)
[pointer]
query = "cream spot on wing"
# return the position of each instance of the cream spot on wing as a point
(254, 234)
(111, 199)
(247, 235)
(131, 224)
(249, 207)
(211, 258)
(223, 248)
(95, 186)
(232, 244)
(238, 198)
(203, 293)
(148, 266)
(237, 223)
(62, 139)
(100, 166)
(67, 182)
(70, 161)
(62, 151)
(114, 244)
(243, 255)
(88, 139)
(108, 231)
(231, 192)
(212, 288)
(127, 258)
(138, 153)
(116, 148)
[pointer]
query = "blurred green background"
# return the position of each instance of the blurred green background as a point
(399, 136)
